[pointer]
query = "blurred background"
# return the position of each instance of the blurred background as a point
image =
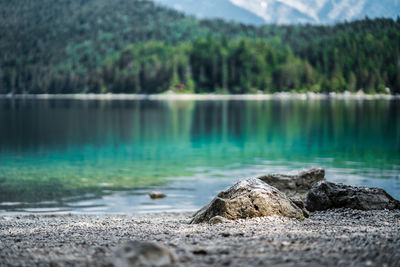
(68, 153)
(130, 46)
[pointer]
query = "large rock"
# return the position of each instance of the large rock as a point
(326, 195)
(247, 199)
(137, 253)
(295, 184)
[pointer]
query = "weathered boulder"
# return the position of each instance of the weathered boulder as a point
(137, 253)
(326, 195)
(295, 184)
(247, 199)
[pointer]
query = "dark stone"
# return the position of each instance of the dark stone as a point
(157, 195)
(326, 195)
(295, 184)
(247, 199)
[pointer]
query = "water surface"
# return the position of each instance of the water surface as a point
(105, 155)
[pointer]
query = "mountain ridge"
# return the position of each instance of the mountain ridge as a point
(259, 12)
(209, 9)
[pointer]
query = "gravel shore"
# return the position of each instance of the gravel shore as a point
(341, 237)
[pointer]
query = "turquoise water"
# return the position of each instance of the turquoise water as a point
(85, 156)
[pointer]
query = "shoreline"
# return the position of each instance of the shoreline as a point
(328, 238)
(205, 97)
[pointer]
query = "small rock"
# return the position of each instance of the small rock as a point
(136, 253)
(200, 252)
(157, 195)
(295, 184)
(369, 263)
(248, 198)
(326, 195)
(226, 234)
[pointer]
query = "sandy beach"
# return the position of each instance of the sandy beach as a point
(338, 237)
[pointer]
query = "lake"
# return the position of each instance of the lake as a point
(105, 156)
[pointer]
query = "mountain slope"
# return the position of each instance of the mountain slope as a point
(65, 39)
(69, 46)
(319, 11)
(210, 9)
(287, 11)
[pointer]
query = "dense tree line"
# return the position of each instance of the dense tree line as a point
(74, 46)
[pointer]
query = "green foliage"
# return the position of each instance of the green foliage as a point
(132, 46)
(301, 218)
(236, 66)
(221, 66)
(151, 67)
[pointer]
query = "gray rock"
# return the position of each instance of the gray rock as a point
(217, 220)
(137, 253)
(157, 195)
(326, 195)
(295, 184)
(300, 203)
(247, 199)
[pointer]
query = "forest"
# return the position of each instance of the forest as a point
(132, 46)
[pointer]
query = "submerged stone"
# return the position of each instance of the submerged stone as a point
(326, 195)
(157, 195)
(247, 199)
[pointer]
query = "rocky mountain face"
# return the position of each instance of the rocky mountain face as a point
(223, 9)
(287, 11)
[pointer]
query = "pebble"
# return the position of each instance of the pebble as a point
(157, 195)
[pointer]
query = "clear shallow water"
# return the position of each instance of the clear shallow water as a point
(87, 156)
